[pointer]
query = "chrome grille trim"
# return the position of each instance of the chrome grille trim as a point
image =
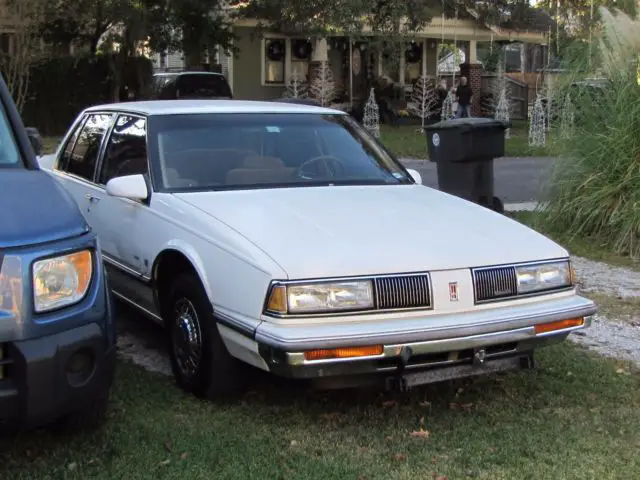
(402, 292)
(495, 283)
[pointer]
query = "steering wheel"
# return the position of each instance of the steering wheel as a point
(331, 167)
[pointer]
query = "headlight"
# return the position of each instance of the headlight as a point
(11, 284)
(543, 276)
(61, 281)
(320, 297)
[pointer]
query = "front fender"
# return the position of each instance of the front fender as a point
(194, 257)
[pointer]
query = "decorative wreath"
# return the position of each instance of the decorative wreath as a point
(413, 53)
(301, 49)
(275, 50)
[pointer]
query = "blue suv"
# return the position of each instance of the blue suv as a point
(57, 331)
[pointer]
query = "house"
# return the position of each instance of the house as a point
(266, 63)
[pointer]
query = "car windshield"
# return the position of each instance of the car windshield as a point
(195, 152)
(9, 154)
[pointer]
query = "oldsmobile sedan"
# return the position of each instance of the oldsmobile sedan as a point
(286, 238)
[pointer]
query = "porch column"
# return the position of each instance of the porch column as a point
(424, 57)
(473, 72)
(319, 54)
(472, 55)
(402, 64)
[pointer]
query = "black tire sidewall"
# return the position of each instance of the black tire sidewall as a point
(189, 287)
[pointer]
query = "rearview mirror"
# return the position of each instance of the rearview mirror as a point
(133, 187)
(35, 139)
(415, 175)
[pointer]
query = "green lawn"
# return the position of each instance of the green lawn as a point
(574, 417)
(407, 141)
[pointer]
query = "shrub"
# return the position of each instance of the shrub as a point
(62, 87)
(595, 188)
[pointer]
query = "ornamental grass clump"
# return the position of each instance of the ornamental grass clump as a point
(595, 187)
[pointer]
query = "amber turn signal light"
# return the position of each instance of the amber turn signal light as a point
(278, 299)
(348, 352)
(559, 325)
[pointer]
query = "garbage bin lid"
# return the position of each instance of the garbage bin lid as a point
(467, 123)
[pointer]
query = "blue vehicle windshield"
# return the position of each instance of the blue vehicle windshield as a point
(9, 153)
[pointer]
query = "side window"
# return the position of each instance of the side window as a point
(126, 152)
(65, 157)
(84, 155)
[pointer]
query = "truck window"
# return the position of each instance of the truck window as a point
(9, 154)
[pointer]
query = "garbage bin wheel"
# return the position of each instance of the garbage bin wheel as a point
(497, 205)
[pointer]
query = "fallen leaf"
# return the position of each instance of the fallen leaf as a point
(164, 463)
(389, 403)
(433, 460)
(293, 443)
(425, 404)
(72, 466)
(362, 450)
(389, 438)
(441, 477)
(421, 434)
(400, 457)
(184, 456)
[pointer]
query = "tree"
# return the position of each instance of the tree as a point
(15, 65)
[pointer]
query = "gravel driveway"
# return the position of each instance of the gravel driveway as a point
(143, 343)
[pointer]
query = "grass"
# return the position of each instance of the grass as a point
(574, 417)
(50, 144)
(405, 142)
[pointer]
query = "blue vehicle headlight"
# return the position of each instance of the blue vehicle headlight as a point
(61, 281)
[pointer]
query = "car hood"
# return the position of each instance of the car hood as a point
(348, 230)
(35, 209)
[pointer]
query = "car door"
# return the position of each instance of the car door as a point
(76, 166)
(120, 222)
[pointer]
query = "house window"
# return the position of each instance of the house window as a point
(300, 57)
(274, 60)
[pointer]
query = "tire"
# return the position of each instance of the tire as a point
(200, 361)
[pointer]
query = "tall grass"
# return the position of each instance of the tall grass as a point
(595, 188)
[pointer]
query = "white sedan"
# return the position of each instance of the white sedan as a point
(286, 238)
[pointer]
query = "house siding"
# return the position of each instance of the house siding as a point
(247, 68)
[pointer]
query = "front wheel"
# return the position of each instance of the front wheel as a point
(200, 361)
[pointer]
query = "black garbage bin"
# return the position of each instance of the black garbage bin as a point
(464, 149)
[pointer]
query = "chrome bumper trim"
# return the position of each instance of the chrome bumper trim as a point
(424, 329)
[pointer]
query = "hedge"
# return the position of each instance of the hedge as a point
(62, 87)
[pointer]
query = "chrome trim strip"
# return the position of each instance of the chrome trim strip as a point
(234, 324)
(125, 268)
(373, 310)
(147, 312)
(421, 329)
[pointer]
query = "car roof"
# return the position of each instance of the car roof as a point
(183, 107)
(185, 72)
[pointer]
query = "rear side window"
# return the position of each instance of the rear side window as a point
(202, 86)
(84, 154)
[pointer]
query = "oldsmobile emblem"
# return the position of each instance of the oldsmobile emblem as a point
(453, 291)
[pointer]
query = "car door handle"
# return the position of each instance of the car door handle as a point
(91, 198)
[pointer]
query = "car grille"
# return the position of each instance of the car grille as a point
(495, 283)
(402, 292)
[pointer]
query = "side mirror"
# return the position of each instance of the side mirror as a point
(415, 175)
(133, 187)
(35, 139)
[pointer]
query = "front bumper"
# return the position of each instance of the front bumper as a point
(433, 342)
(46, 378)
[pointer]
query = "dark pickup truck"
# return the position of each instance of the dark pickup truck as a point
(57, 331)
